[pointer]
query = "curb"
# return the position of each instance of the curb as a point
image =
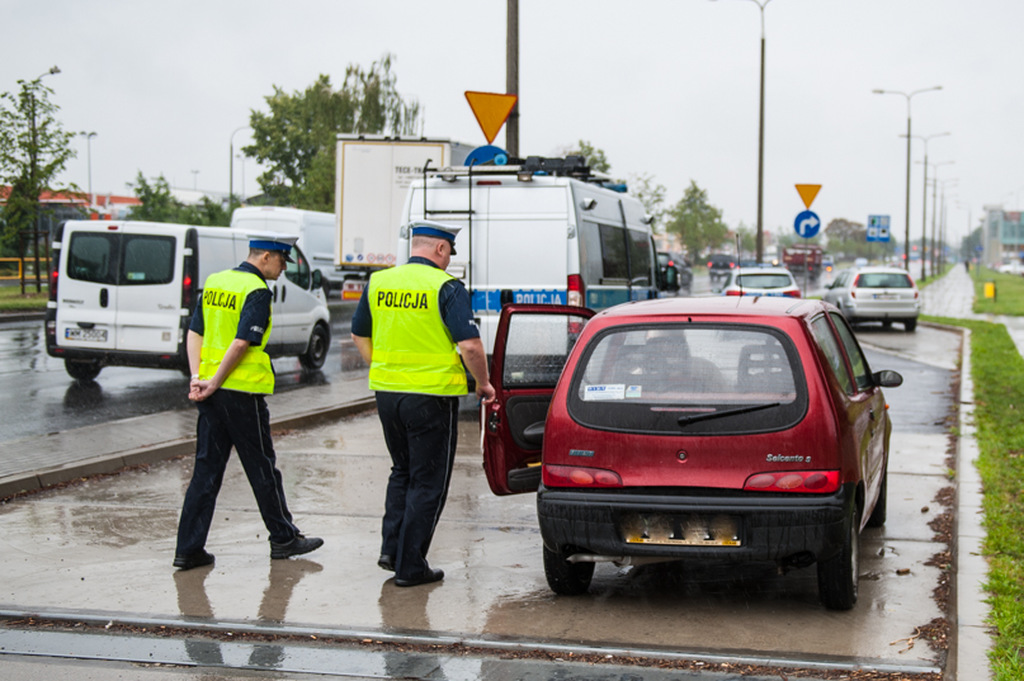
(142, 456)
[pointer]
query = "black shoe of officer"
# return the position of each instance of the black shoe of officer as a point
(296, 547)
(429, 577)
(193, 560)
(386, 562)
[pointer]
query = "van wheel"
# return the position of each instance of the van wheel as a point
(838, 575)
(82, 370)
(910, 324)
(316, 352)
(565, 578)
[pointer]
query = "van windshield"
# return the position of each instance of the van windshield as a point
(121, 259)
(732, 378)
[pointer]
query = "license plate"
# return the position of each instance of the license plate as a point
(681, 530)
(885, 296)
(86, 335)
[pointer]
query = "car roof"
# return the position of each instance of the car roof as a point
(880, 269)
(761, 269)
(742, 308)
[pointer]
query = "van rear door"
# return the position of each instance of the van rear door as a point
(149, 304)
(87, 296)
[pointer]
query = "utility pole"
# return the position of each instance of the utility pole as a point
(512, 78)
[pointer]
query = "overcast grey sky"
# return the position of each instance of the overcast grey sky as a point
(665, 87)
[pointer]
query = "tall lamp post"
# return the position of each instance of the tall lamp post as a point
(908, 96)
(88, 159)
(33, 166)
(761, 4)
(924, 207)
(231, 166)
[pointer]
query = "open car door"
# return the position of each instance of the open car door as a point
(531, 345)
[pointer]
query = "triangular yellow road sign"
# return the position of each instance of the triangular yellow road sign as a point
(491, 110)
(807, 193)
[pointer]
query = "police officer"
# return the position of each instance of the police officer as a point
(411, 325)
(231, 374)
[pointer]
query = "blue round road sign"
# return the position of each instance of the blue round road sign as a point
(807, 224)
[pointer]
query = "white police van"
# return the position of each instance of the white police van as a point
(122, 293)
(544, 231)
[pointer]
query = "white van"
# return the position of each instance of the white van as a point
(547, 231)
(123, 293)
(317, 233)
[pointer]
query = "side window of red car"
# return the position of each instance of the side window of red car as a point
(861, 371)
(833, 353)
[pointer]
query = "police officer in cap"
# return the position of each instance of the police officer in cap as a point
(231, 375)
(411, 326)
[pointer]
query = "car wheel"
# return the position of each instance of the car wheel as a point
(82, 370)
(838, 575)
(877, 518)
(316, 352)
(565, 578)
(887, 324)
(910, 325)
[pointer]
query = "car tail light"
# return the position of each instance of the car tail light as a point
(734, 292)
(575, 295)
(579, 476)
(793, 294)
(811, 482)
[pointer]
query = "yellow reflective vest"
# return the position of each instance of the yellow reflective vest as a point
(413, 352)
(223, 296)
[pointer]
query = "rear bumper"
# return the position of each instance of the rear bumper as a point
(149, 360)
(790, 528)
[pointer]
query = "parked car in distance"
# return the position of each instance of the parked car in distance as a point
(761, 281)
(685, 272)
(698, 429)
(1013, 267)
(719, 265)
(876, 294)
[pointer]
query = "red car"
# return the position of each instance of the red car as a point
(737, 429)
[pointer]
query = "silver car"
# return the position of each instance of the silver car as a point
(876, 294)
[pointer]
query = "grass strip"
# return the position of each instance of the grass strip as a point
(11, 299)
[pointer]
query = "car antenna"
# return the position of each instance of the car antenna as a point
(739, 259)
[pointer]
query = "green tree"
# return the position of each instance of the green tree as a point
(698, 223)
(297, 138)
(652, 196)
(159, 205)
(34, 150)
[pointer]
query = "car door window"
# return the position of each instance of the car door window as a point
(826, 340)
(298, 272)
(858, 362)
(537, 347)
(147, 259)
(91, 257)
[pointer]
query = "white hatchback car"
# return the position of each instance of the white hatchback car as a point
(761, 281)
(876, 294)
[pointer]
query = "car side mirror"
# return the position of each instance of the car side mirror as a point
(887, 378)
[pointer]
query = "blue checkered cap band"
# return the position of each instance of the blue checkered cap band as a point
(274, 242)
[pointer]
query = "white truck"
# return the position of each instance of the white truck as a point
(374, 173)
(316, 232)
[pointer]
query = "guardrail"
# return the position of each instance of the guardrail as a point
(9, 265)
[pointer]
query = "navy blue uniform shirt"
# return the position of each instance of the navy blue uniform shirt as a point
(255, 315)
(456, 310)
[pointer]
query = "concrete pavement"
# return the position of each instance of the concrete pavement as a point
(36, 462)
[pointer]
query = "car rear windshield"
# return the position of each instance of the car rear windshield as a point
(883, 280)
(689, 379)
(764, 280)
(121, 259)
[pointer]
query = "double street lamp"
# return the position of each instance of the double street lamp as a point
(908, 96)
(924, 208)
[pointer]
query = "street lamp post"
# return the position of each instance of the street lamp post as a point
(88, 159)
(761, 4)
(924, 207)
(231, 166)
(908, 96)
(940, 185)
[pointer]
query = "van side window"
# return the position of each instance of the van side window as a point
(640, 257)
(147, 259)
(90, 257)
(613, 255)
(298, 271)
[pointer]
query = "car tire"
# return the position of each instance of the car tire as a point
(316, 352)
(909, 325)
(838, 575)
(82, 370)
(565, 578)
(877, 517)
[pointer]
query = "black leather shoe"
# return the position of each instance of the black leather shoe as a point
(429, 577)
(386, 562)
(193, 560)
(296, 547)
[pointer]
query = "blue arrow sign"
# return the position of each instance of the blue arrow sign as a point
(807, 224)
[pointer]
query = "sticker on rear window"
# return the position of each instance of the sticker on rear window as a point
(633, 391)
(608, 391)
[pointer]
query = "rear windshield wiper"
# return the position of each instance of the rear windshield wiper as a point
(687, 420)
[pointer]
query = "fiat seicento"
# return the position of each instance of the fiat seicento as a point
(707, 429)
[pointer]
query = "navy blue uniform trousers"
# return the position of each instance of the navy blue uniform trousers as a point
(231, 418)
(421, 432)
